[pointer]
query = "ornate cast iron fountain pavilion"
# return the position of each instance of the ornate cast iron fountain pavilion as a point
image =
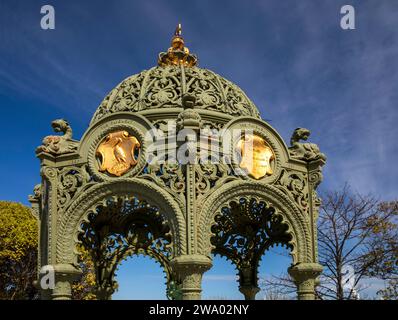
(102, 194)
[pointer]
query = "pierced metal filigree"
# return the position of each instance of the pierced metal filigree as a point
(121, 228)
(162, 87)
(294, 184)
(244, 230)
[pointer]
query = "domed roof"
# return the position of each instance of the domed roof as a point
(164, 86)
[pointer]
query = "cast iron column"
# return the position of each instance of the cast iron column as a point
(304, 276)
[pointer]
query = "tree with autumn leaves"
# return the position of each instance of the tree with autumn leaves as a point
(18, 256)
(18, 251)
(357, 242)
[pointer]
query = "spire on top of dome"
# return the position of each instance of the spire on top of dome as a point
(177, 54)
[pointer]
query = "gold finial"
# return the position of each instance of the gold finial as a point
(177, 54)
(178, 30)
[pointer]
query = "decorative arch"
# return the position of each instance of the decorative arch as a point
(120, 228)
(78, 211)
(297, 223)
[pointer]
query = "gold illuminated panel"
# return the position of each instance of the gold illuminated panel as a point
(117, 153)
(256, 156)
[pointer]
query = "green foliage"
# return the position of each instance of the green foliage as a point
(18, 251)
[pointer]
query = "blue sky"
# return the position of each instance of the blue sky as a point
(290, 57)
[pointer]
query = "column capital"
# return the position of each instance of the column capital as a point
(189, 260)
(303, 270)
(189, 270)
(65, 275)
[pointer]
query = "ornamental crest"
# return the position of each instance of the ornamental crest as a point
(118, 153)
(256, 156)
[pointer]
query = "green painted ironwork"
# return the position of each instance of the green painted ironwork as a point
(177, 214)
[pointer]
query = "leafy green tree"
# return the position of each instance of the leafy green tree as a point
(18, 251)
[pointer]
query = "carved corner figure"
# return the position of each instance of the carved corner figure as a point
(304, 151)
(36, 193)
(57, 145)
(34, 199)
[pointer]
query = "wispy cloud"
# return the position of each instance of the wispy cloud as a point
(219, 277)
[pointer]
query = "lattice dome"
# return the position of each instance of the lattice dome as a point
(163, 87)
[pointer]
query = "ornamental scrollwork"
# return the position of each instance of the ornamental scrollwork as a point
(212, 125)
(128, 95)
(125, 97)
(210, 175)
(236, 100)
(244, 230)
(165, 125)
(315, 178)
(294, 184)
(204, 86)
(162, 87)
(48, 172)
(168, 175)
(71, 180)
(35, 200)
